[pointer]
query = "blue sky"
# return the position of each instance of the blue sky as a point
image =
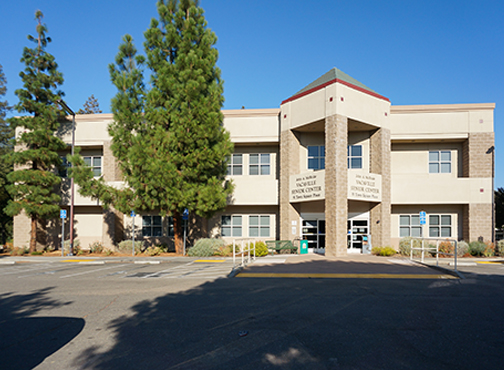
(413, 52)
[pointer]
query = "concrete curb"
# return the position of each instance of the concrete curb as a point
(456, 274)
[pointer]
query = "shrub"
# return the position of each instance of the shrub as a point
(7, 248)
(476, 248)
(19, 251)
(446, 248)
(383, 251)
(36, 253)
(405, 246)
(96, 247)
(206, 247)
(489, 250)
(126, 246)
(462, 248)
(500, 248)
(261, 249)
(153, 251)
(163, 247)
(109, 252)
(76, 246)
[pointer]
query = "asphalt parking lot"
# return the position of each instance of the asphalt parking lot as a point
(123, 315)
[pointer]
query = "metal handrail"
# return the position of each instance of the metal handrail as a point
(435, 250)
(244, 251)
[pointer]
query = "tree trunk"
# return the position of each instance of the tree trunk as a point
(33, 234)
(178, 230)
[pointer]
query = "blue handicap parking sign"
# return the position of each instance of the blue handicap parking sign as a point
(63, 213)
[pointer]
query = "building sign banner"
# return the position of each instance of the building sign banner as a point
(308, 186)
(364, 186)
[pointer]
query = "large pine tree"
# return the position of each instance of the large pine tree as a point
(35, 157)
(169, 140)
(5, 166)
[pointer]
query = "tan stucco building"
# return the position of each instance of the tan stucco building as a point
(336, 165)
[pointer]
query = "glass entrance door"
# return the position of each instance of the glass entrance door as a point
(314, 232)
(357, 231)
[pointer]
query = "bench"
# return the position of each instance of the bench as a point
(280, 245)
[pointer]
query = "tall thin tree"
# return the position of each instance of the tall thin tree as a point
(169, 140)
(36, 155)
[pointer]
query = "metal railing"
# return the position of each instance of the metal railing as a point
(244, 248)
(427, 245)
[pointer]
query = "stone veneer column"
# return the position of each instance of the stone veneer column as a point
(110, 168)
(21, 230)
(336, 185)
(289, 165)
(379, 163)
(478, 161)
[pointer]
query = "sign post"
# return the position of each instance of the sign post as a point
(133, 214)
(63, 215)
(185, 217)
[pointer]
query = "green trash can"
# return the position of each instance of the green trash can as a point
(303, 249)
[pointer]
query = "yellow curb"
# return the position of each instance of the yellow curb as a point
(210, 261)
(77, 261)
(345, 276)
(490, 262)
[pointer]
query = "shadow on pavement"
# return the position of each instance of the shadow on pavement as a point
(26, 341)
(280, 323)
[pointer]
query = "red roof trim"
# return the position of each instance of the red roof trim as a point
(330, 83)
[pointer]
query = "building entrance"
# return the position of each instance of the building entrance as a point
(358, 232)
(313, 230)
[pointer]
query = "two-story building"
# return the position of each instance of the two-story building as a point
(336, 165)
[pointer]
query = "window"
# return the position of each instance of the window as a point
(259, 226)
(354, 155)
(316, 157)
(440, 161)
(95, 163)
(440, 226)
(152, 226)
(231, 225)
(63, 170)
(409, 225)
(235, 164)
(259, 164)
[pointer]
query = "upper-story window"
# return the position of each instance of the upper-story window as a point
(354, 156)
(316, 157)
(439, 161)
(95, 162)
(259, 164)
(235, 164)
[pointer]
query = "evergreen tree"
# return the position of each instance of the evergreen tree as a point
(91, 106)
(5, 147)
(169, 140)
(33, 180)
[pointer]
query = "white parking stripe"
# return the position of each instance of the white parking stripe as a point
(88, 272)
(21, 269)
(170, 269)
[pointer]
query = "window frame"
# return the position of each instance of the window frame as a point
(439, 164)
(319, 157)
(260, 165)
(260, 226)
(232, 165)
(151, 226)
(92, 165)
(440, 226)
(232, 226)
(357, 157)
(411, 225)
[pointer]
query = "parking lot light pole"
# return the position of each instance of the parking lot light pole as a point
(71, 112)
